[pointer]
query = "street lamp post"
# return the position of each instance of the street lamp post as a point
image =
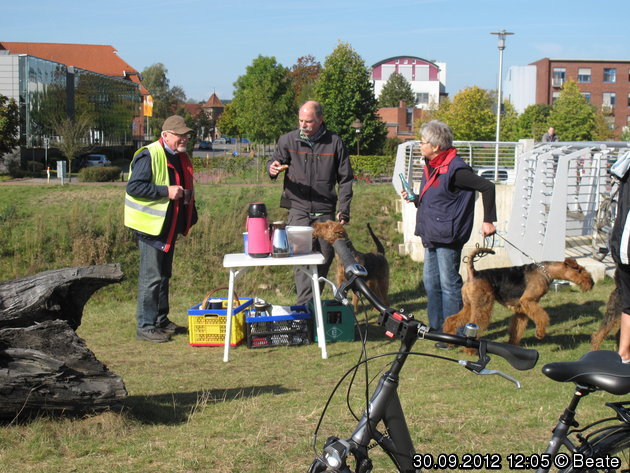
(501, 35)
(357, 125)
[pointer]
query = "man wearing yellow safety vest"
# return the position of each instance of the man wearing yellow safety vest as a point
(159, 206)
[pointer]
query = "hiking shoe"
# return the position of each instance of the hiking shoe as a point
(152, 335)
(172, 328)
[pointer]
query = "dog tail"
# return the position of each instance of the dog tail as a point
(471, 259)
(379, 246)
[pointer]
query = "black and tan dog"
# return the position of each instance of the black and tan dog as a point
(518, 288)
(612, 316)
(375, 263)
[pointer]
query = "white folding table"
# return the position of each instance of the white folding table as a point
(238, 263)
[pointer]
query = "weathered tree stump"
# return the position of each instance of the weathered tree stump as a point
(44, 365)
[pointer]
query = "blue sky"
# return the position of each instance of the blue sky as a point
(207, 45)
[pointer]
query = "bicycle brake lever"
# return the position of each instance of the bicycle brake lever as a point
(338, 293)
(497, 372)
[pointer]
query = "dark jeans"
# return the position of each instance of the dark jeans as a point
(155, 272)
(303, 284)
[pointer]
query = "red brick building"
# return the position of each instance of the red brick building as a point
(604, 83)
(400, 121)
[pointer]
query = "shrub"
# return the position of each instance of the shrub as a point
(372, 166)
(99, 174)
(14, 170)
(390, 148)
(32, 169)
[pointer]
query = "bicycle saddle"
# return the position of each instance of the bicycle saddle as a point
(600, 369)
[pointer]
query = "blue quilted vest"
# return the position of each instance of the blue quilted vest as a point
(445, 216)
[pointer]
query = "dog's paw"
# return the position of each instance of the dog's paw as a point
(471, 351)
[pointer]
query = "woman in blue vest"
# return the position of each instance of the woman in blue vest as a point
(444, 221)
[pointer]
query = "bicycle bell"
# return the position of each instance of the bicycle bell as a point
(471, 330)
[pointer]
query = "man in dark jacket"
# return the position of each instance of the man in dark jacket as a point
(315, 161)
(550, 136)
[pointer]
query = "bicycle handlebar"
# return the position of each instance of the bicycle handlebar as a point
(397, 324)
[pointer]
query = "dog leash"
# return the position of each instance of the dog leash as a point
(540, 265)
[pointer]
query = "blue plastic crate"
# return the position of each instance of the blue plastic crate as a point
(278, 330)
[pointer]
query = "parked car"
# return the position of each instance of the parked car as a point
(205, 145)
(92, 160)
(220, 141)
(504, 175)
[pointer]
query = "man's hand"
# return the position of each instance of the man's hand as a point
(277, 167)
(488, 228)
(341, 218)
(175, 192)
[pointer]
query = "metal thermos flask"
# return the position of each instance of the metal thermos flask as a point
(279, 240)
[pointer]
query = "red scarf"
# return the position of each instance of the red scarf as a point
(439, 165)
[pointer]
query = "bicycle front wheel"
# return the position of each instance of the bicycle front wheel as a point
(599, 455)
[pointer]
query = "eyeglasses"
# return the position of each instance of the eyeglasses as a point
(424, 143)
(180, 135)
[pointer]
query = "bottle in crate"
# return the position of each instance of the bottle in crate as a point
(283, 325)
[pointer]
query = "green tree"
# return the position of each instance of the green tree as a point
(227, 122)
(202, 124)
(165, 98)
(469, 115)
(534, 121)
(572, 116)
(395, 90)
(345, 91)
(303, 76)
(9, 125)
(263, 105)
(509, 123)
(74, 137)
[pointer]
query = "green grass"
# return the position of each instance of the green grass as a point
(187, 411)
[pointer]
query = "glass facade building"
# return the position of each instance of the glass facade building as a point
(51, 91)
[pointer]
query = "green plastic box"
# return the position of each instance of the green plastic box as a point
(338, 321)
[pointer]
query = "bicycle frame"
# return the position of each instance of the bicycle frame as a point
(384, 404)
(561, 432)
(599, 370)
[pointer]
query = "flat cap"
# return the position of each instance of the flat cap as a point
(176, 124)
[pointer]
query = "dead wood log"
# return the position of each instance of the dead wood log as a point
(44, 365)
(48, 368)
(51, 295)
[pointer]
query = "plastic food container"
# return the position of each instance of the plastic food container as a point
(300, 239)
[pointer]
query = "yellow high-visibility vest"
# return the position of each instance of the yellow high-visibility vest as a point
(148, 215)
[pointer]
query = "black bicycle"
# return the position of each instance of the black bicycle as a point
(601, 446)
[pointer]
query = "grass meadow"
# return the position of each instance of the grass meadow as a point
(188, 411)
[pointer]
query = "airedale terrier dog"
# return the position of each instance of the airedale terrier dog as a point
(375, 263)
(518, 288)
(611, 321)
